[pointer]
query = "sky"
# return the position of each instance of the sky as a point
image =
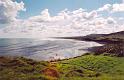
(34, 7)
(57, 18)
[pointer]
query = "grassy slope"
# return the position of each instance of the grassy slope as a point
(94, 67)
(88, 67)
(21, 69)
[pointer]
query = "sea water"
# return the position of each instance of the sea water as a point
(44, 49)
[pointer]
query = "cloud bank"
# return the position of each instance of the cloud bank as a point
(65, 23)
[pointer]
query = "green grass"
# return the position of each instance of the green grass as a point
(21, 69)
(88, 67)
(93, 67)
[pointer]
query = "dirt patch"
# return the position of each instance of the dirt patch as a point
(52, 72)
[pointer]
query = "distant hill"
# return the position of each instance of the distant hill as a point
(103, 38)
(113, 43)
(108, 38)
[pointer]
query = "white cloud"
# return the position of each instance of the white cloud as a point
(92, 14)
(45, 16)
(112, 8)
(9, 10)
(118, 7)
(110, 20)
(105, 8)
(65, 23)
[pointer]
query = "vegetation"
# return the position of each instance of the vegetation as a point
(88, 67)
(21, 69)
(93, 67)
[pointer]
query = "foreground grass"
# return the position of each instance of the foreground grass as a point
(21, 69)
(88, 67)
(93, 68)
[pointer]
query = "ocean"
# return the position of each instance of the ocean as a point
(44, 49)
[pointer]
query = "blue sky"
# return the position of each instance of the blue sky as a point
(34, 7)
